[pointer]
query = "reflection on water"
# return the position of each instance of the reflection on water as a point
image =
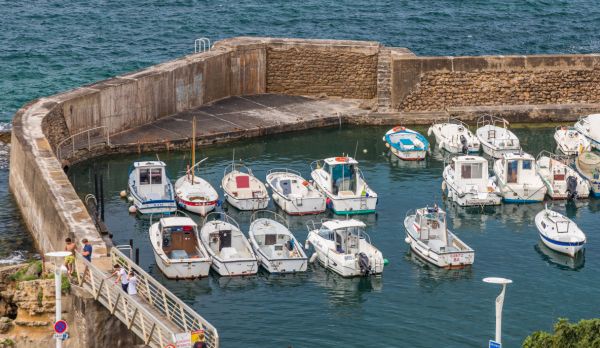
(345, 292)
(430, 276)
(560, 260)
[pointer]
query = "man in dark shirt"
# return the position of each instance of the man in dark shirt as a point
(87, 250)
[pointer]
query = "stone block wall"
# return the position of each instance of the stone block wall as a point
(439, 83)
(334, 70)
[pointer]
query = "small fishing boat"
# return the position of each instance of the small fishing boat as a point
(406, 144)
(468, 183)
(562, 181)
(344, 247)
(277, 249)
(192, 192)
(589, 126)
(293, 194)
(517, 178)
(150, 188)
(559, 233)
(496, 140)
(177, 248)
(588, 166)
(242, 189)
(340, 179)
(454, 136)
(430, 239)
(570, 142)
(229, 249)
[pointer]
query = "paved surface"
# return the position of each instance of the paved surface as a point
(235, 114)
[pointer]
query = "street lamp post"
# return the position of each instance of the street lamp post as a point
(499, 303)
(57, 256)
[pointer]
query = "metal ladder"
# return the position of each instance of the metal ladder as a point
(202, 45)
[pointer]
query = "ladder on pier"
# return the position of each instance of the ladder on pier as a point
(155, 315)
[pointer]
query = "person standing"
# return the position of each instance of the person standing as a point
(87, 250)
(132, 287)
(121, 275)
(70, 260)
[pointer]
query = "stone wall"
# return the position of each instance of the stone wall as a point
(440, 83)
(340, 69)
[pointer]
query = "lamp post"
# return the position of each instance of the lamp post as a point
(57, 256)
(499, 303)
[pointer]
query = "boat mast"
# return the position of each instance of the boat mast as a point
(193, 146)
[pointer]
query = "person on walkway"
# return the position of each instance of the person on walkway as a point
(87, 250)
(132, 287)
(121, 275)
(70, 260)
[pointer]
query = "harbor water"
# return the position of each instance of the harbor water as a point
(412, 304)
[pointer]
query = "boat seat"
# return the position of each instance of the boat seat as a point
(242, 181)
(178, 254)
(228, 253)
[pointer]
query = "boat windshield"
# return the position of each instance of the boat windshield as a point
(343, 178)
(150, 176)
(471, 170)
(562, 226)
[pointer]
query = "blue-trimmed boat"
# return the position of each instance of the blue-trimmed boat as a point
(406, 144)
(559, 233)
(150, 188)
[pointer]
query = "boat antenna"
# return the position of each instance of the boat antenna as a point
(157, 158)
(193, 146)
(355, 149)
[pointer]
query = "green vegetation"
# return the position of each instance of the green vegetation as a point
(7, 342)
(585, 334)
(31, 272)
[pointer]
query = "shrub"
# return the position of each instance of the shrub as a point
(585, 334)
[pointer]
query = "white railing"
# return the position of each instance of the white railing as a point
(146, 325)
(83, 140)
(168, 306)
(202, 45)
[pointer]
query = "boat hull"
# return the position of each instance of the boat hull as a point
(451, 260)
(184, 269)
(232, 268)
(282, 266)
(473, 199)
(154, 207)
(247, 203)
(200, 208)
(353, 206)
(496, 152)
(570, 249)
(300, 205)
(412, 155)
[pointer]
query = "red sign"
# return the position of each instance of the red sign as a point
(170, 345)
(60, 326)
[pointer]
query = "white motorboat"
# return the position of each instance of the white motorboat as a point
(570, 142)
(496, 140)
(344, 247)
(150, 188)
(177, 248)
(588, 166)
(589, 126)
(468, 183)
(277, 249)
(559, 233)
(229, 249)
(340, 179)
(562, 181)
(454, 136)
(242, 189)
(430, 239)
(517, 178)
(293, 194)
(406, 144)
(192, 192)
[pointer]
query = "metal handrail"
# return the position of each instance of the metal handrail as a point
(237, 166)
(221, 217)
(89, 144)
(166, 303)
(275, 217)
(490, 120)
(140, 320)
(202, 45)
(284, 170)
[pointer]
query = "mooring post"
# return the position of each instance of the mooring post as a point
(101, 197)
(137, 256)
(97, 208)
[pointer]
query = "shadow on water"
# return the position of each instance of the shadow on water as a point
(560, 261)
(430, 276)
(345, 292)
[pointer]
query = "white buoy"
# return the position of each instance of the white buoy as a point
(123, 194)
(130, 199)
(132, 209)
(365, 151)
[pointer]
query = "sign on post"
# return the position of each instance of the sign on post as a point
(183, 340)
(60, 326)
(494, 344)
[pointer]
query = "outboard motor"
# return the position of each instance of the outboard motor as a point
(364, 264)
(571, 187)
(465, 145)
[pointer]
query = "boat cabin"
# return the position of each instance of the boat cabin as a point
(470, 169)
(345, 233)
(151, 180)
(430, 225)
(519, 168)
(555, 223)
(179, 238)
(344, 175)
